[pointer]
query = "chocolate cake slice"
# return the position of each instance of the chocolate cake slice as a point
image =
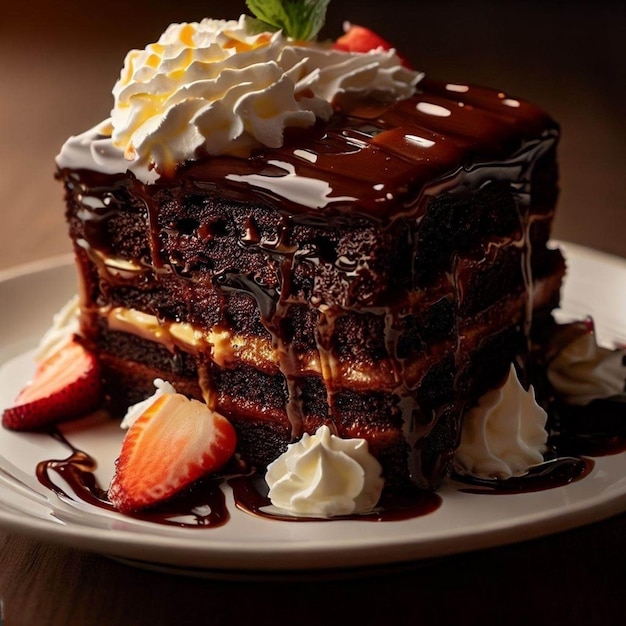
(377, 272)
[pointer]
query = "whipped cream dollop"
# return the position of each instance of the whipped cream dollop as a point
(65, 324)
(135, 411)
(583, 371)
(216, 87)
(323, 475)
(504, 435)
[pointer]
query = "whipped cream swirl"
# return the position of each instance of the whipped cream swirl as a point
(65, 324)
(323, 475)
(214, 87)
(582, 371)
(504, 435)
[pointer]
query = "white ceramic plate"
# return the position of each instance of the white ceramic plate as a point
(246, 544)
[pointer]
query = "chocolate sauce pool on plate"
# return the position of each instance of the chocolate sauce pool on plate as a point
(77, 471)
(551, 474)
(251, 496)
(596, 430)
(203, 504)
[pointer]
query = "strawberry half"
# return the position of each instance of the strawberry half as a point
(65, 386)
(172, 444)
(361, 39)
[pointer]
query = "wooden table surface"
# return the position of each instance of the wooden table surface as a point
(58, 63)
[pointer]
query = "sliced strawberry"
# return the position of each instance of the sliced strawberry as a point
(173, 443)
(361, 39)
(65, 386)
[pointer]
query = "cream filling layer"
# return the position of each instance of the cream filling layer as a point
(226, 348)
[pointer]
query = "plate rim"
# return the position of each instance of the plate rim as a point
(231, 557)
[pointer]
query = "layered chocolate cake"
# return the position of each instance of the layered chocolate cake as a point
(376, 270)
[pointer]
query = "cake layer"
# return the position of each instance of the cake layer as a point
(243, 380)
(360, 348)
(253, 399)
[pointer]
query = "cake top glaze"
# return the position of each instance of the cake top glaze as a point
(374, 159)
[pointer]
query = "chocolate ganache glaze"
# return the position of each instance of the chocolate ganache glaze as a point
(374, 159)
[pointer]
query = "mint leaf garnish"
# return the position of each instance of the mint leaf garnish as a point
(299, 19)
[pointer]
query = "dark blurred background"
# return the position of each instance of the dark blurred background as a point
(59, 61)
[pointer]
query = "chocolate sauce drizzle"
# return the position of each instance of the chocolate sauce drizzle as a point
(77, 471)
(577, 433)
(203, 504)
(378, 163)
(556, 472)
(250, 494)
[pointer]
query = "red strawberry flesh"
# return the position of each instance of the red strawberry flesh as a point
(361, 39)
(65, 386)
(172, 444)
